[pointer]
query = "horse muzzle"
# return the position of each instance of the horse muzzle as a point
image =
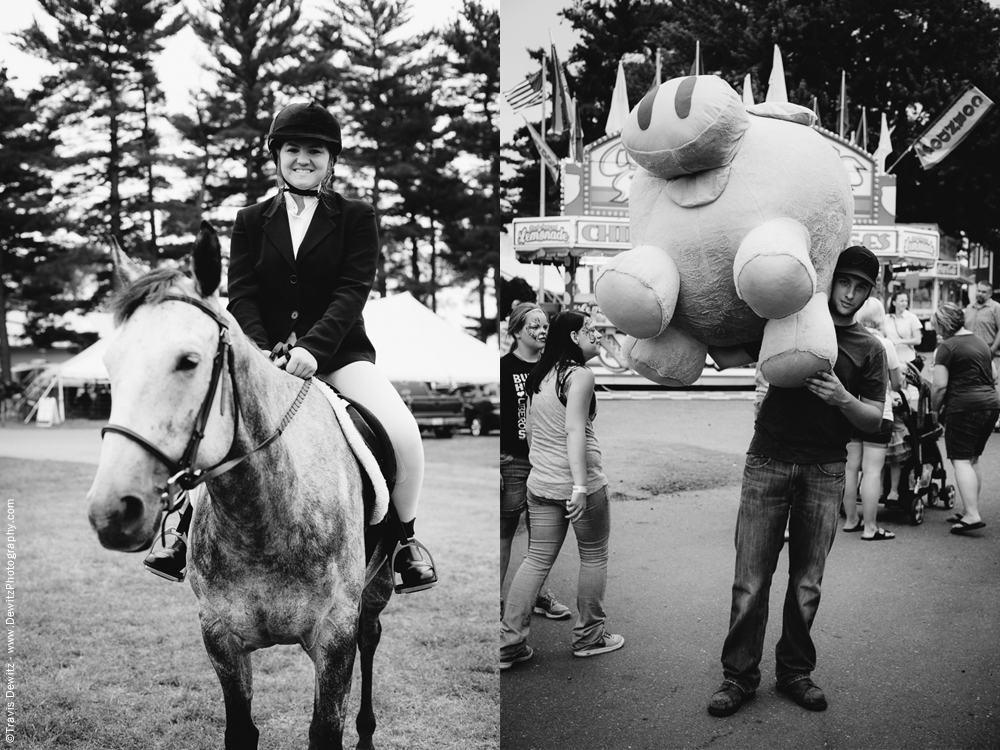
(124, 523)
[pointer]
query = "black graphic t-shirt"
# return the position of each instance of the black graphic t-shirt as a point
(513, 404)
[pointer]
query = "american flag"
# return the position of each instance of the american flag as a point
(526, 94)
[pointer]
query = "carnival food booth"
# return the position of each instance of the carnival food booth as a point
(593, 226)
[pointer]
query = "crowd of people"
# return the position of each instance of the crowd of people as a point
(814, 450)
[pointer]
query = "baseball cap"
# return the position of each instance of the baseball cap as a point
(859, 261)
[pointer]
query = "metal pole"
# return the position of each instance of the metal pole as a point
(541, 157)
(541, 191)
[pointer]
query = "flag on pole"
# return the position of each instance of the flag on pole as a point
(562, 103)
(861, 134)
(696, 70)
(884, 147)
(747, 91)
(951, 128)
(842, 111)
(548, 156)
(619, 109)
(526, 94)
(776, 91)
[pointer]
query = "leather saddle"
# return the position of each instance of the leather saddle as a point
(380, 445)
(378, 442)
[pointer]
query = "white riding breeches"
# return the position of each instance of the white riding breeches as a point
(364, 382)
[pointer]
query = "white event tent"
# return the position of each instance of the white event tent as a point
(413, 343)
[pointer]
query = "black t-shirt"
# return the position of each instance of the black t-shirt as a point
(970, 373)
(513, 404)
(797, 426)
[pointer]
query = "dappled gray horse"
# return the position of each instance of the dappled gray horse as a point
(277, 543)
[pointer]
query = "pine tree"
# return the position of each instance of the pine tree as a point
(38, 272)
(472, 237)
(251, 42)
(105, 92)
(388, 94)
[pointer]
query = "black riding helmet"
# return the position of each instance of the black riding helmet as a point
(304, 121)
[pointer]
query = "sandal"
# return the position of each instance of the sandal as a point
(957, 518)
(962, 527)
(879, 535)
(859, 526)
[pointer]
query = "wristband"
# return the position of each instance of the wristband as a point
(579, 488)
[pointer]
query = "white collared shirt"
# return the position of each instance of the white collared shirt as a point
(298, 223)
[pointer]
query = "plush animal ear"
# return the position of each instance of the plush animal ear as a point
(126, 270)
(206, 260)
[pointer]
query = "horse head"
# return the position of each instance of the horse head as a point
(169, 331)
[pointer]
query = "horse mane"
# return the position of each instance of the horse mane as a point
(148, 289)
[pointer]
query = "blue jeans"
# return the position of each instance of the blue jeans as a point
(548, 531)
(808, 496)
(514, 472)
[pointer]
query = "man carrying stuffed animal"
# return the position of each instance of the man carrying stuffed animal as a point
(794, 472)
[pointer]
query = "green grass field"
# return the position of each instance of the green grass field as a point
(107, 656)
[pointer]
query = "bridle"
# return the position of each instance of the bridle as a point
(183, 476)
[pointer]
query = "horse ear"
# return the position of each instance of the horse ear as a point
(126, 269)
(206, 260)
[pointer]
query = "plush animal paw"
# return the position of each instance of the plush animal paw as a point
(638, 291)
(799, 345)
(673, 358)
(772, 271)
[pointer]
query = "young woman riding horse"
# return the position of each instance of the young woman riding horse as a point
(302, 265)
(277, 544)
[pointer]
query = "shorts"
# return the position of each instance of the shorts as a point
(966, 433)
(875, 438)
(514, 472)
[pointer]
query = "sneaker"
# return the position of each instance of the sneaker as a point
(610, 642)
(523, 655)
(546, 604)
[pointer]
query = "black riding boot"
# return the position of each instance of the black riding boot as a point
(411, 561)
(170, 561)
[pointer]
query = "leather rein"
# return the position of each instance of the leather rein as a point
(184, 477)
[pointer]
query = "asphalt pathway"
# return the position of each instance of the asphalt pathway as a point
(906, 634)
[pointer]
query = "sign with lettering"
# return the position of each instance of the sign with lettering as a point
(898, 242)
(541, 232)
(951, 128)
(571, 234)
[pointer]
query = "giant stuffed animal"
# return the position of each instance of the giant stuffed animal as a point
(737, 216)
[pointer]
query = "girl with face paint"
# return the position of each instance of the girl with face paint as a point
(528, 327)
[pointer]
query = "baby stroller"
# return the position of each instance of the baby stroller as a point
(922, 477)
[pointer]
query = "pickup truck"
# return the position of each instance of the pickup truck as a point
(481, 404)
(435, 411)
